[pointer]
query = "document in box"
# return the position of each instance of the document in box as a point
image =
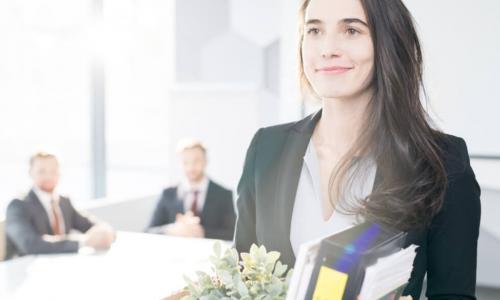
(365, 260)
(303, 268)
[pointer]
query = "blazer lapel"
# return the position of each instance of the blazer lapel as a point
(290, 166)
(206, 205)
(66, 213)
(41, 214)
(177, 203)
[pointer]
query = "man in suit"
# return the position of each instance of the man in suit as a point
(197, 207)
(42, 221)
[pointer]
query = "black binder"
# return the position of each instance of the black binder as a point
(349, 253)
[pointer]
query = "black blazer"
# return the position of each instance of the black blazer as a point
(27, 221)
(266, 195)
(217, 216)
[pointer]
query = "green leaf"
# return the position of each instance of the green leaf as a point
(279, 269)
(226, 278)
(235, 255)
(254, 290)
(272, 257)
(213, 260)
(254, 250)
(242, 289)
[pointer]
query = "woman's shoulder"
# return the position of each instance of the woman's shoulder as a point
(456, 161)
(274, 132)
(454, 154)
(277, 134)
(268, 142)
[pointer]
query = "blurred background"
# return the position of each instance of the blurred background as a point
(112, 85)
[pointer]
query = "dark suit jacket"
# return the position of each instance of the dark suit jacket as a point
(217, 217)
(266, 195)
(27, 221)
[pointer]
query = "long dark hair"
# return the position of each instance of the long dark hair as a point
(398, 132)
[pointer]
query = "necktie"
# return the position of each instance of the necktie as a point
(194, 204)
(56, 221)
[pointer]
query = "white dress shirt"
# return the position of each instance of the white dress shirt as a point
(307, 218)
(185, 192)
(46, 199)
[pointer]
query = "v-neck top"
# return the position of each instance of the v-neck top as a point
(307, 218)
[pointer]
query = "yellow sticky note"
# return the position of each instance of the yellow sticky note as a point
(330, 285)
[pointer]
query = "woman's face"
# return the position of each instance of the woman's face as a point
(337, 48)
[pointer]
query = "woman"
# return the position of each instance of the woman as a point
(369, 154)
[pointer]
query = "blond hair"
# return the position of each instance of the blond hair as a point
(190, 143)
(41, 155)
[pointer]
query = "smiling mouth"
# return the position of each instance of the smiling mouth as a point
(333, 70)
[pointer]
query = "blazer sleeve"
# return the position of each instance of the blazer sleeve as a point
(79, 221)
(160, 216)
(453, 235)
(26, 239)
(226, 229)
(245, 232)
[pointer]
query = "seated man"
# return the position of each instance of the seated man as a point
(197, 207)
(41, 222)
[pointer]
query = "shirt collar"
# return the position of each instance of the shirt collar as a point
(311, 159)
(312, 165)
(45, 197)
(185, 186)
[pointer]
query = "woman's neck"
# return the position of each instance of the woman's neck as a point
(341, 121)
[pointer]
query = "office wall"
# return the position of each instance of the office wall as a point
(230, 67)
(461, 43)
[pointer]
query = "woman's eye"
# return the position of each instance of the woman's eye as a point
(313, 31)
(352, 31)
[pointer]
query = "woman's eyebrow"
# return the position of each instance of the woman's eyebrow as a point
(343, 21)
(313, 21)
(353, 20)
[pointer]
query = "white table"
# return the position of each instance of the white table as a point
(138, 266)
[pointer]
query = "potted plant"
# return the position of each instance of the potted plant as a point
(258, 275)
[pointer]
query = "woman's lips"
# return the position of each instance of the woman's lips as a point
(333, 70)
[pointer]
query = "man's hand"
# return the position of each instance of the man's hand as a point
(99, 237)
(186, 225)
(187, 218)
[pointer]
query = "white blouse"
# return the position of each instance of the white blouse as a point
(307, 218)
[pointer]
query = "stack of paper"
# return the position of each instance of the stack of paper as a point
(388, 274)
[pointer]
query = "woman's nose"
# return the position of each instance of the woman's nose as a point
(331, 46)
